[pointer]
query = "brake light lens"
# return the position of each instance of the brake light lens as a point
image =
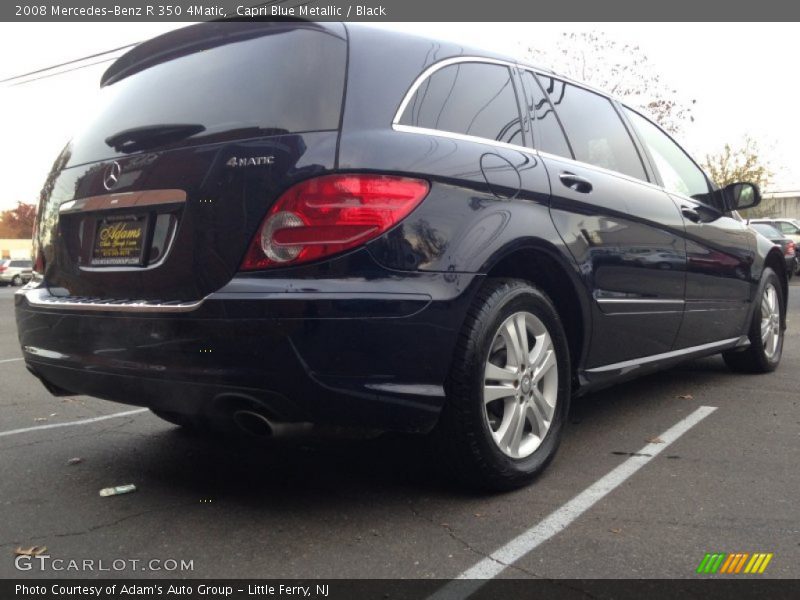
(790, 249)
(320, 217)
(3, 267)
(38, 265)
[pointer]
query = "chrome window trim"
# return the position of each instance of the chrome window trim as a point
(436, 67)
(397, 126)
(462, 137)
(492, 61)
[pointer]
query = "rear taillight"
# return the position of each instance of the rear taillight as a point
(3, 268)
(330, 214)
(36, 249)
(790, 249)
(38, 265)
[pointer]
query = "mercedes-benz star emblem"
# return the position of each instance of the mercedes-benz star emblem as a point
(111, 177)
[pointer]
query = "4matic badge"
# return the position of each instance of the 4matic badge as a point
(250, 161)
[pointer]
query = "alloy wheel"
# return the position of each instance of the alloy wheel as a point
(520, 385)
(770, 320)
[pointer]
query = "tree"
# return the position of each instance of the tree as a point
(745, 163)
(620, 69)
(18, 222)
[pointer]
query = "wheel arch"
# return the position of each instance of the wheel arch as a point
(777, 263)
(543, 265)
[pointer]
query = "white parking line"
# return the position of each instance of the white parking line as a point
(5, 360)
(126, 413)
(561, 518)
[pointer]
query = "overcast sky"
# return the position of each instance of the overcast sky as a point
(742, 76)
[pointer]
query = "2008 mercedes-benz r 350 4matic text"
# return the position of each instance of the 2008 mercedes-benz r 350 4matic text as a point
(270, 223)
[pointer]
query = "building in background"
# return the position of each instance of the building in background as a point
(13, 248)
(778, 204)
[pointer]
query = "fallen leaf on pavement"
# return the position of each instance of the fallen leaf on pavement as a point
(32, 551)
(686, 397)
(615, 530)
(75, 461)
(655, 440)
(116, 491)
(40, 419)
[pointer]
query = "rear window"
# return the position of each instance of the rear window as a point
(24, 264)
(287, 81)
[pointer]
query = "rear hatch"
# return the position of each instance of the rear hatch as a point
(195, 135)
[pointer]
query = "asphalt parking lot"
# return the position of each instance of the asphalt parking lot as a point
(376, 508)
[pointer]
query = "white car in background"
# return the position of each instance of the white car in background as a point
(15, 271)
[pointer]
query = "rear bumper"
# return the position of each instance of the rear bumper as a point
(362, 353)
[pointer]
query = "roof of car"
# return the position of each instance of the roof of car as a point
(448, 49)
(200, 36)
(188, 39)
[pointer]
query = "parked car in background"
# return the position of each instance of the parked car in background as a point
(15, 271)
(788, 227)
(457, 245)
(788, 246)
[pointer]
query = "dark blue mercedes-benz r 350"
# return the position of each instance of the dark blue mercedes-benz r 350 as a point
(269, 223)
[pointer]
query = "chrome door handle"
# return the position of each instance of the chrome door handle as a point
(691, 214)
(576, 182)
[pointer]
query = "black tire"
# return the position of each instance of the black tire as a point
(755, 358)
(463, 434)
(16, 280)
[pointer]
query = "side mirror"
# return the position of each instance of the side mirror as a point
(739, 196)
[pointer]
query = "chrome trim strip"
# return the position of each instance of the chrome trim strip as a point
(639, 301)
(397, 126)
(637, 362)
(436, 67)
(492, 61)
(42, 298)
(462, 137)
(127, 200)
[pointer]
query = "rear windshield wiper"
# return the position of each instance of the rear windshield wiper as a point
(148, 136)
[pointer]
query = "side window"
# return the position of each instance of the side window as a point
(547, 133)
(679, 172)
(594, 128)
(475, 99)
(788, 228)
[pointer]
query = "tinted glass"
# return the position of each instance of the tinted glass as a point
(288, 81)
(594, 129)
(678, 171)
(24, 264)
(547, 133)
(788, 228)
(468, 98)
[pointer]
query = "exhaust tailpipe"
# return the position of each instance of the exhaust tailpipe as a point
(253, 423)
